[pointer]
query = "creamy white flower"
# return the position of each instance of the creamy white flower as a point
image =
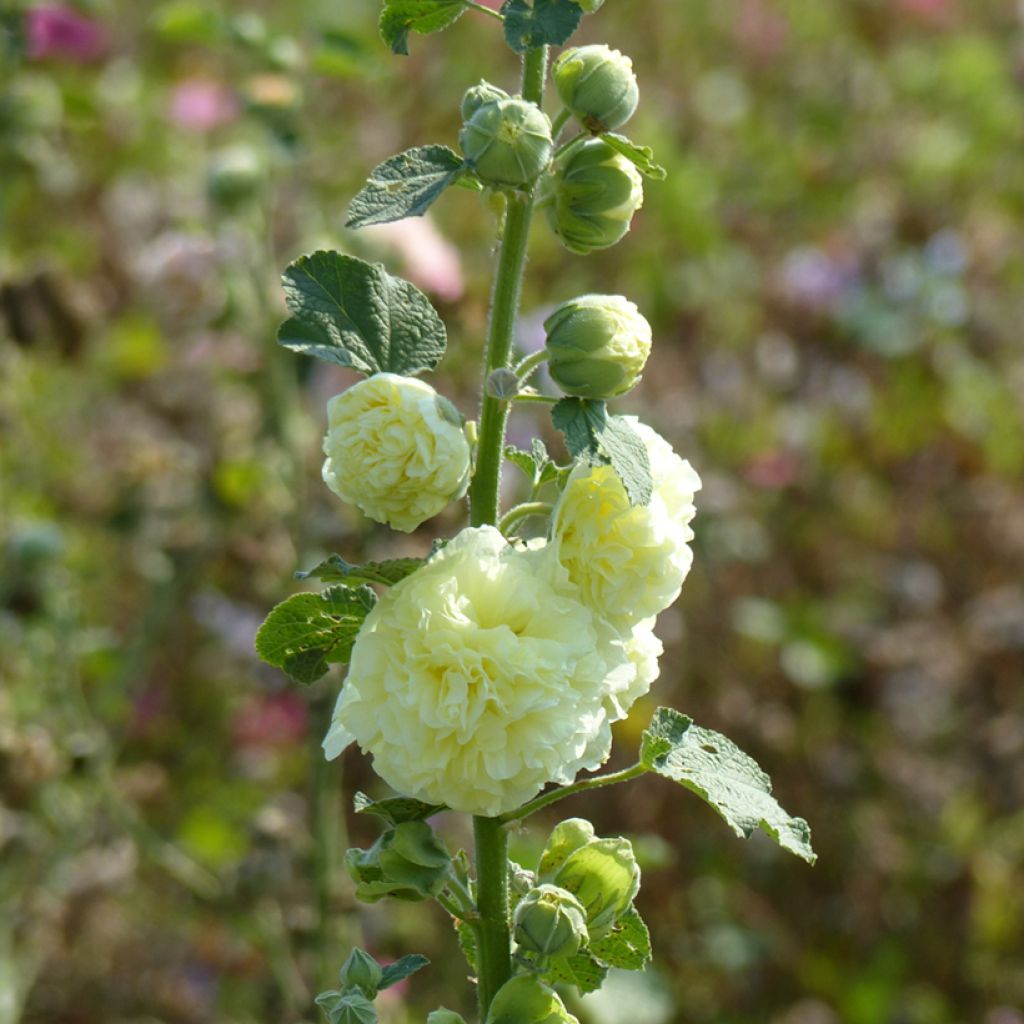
(629, 562)
(396, 449)
(481, 677)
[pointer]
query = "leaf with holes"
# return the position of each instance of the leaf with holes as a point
(306, 633)
(400, 17)
(404, 185)
(627, 946)
(546, 23)
(642, 157)
(334, 569)
(582, 970)
(595, 438)
(713, 767)
(358, 315)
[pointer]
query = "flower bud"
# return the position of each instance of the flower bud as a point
(527, 1000)
(361, 971)
(444, 1016)
(566, 837)
(550, 921)
(507, 142)
(597, 346)
(477, 95)
(591, 198)
(235, 175)
(598, 85)
(407, 862)
(503, 384)
(347, 1007)
(604, 877)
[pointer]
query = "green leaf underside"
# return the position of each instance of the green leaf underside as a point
(547, 23)
(404, 185)
(334, 569)
(627, 946)
(401, 969)
(713, 767)
(400, 17)
(395, 809)
(536, 464)
(599, 439)
(582, 970)
(358, 315)
(641, 156)
(304, 634)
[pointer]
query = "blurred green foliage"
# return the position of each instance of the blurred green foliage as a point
(834, 273)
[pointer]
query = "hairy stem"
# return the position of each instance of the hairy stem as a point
(494, 952)
(524, 511)
(555, 795)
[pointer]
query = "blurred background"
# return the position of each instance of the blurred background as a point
(835, 273)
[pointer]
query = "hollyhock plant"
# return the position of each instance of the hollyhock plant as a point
(484, 678)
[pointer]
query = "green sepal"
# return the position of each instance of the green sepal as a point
(401, 969)
(713, 767)
(546, 23)
(355, 314)
(597, 439)
(395, 809)
(642, 157)
(404, 185)
(400, 17)
(584, 971)
(350, 1007)
(334, 569)
(408, 862)
(306, 633)
(628, 944)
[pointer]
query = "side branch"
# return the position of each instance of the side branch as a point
(577, 787)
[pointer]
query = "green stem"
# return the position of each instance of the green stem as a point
(555, 795)
(494, 945)
(526, 366)
(524, 511)
(533, 396)
(494, 953)
(560, 122)
(483, 10)
(566, 148)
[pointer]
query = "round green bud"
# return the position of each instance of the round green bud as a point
(550, 921)
(597, 346)
(527, 1000)
(444, 1016)
(598, 85)
(408, 862)
(360, 971)
(235, 175)
(605, 877)
(591, 198)
(477, 95)
(507, 142)
(566, 837)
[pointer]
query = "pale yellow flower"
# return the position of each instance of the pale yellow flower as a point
(629, 562)
(396, 449)
(481, 677)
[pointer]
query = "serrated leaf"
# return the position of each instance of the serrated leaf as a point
(334, 569)
(358, 315)
(582, 970)
(404, 185)
(401, 969)
(307, 632)
(713, 767)
(400, 17)
(627, 945)
(395, 809)
(642, 157)
(467, 943)
(523, 461)
(596, 438)
(546, 23)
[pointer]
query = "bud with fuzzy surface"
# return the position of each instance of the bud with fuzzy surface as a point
(598, 85)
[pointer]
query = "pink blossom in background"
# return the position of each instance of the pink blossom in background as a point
(275, 720)
(760, 30)
(428, 259)
(62, 33)
(929, 10)
(772, 470)
(201, 104)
